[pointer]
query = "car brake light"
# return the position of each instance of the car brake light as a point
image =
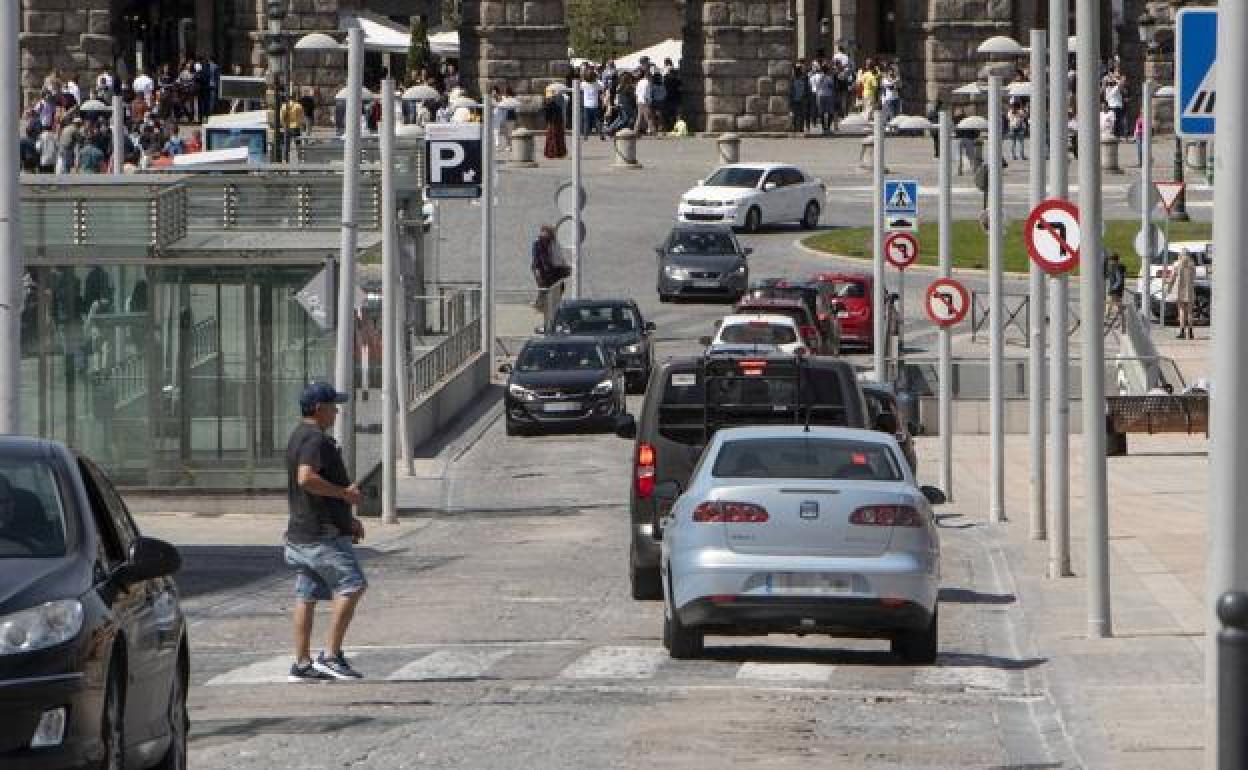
(751, 367)
(808, 332)
(645, 470)
(886, 516)
(715, 511)
(760, 323)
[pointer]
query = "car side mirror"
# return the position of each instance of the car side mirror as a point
(504, 368)
(934, 495)
(769, 186)
(886, 422)
(650, 326)
(704, 340)
(747, 251)
(149, 559)
(626, 426)
(667, 490)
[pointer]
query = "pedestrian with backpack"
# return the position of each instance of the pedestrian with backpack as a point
(549, 272)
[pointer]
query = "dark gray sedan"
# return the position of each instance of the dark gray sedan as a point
(702, 260)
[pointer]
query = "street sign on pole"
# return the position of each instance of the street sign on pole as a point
(901, 250)
(1169, 192)
(1142, 241)
(901, 205)
(1196, 48)
(1052, 236)
(453, 153)
(947, 302)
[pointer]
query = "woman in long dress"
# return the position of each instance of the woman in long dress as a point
(556, 147)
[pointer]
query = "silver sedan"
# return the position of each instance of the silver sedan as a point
(792, 530)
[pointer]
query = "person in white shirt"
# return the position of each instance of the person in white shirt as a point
(645, 105)
(1107, 121)
(104, 86)
(591, 105)
(1116, 103)
(144, 86)
(71, 88)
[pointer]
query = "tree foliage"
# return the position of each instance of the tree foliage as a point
(418, 54)
(592, 25)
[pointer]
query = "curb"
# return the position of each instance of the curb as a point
(971, 271)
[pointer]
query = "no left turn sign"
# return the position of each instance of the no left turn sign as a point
(946, 302)
(1052, 235)
(901, 250)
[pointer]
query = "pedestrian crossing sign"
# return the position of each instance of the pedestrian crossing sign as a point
(901, 205)
(1195, 81)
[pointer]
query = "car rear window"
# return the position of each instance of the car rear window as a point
(680, 412)
(799, 315)
(32, 520)
(806, 458)
(848, 289)
(758, 333)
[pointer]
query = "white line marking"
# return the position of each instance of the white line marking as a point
(966, 678)
(449, 664)
(267, 671)
(785, 672)
(616, 663)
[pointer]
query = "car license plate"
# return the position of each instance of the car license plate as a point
(703, 210)
(818, 583)
(563, 406)
(706, 284)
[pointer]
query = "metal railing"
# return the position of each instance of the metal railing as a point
(278, 198)
(92, 216)
(456, 326)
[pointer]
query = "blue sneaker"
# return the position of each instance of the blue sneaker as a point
(307, 672)
(336, 666)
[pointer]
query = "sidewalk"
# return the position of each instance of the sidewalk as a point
(1135, 700)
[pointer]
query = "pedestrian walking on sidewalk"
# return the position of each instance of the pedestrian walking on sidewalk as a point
(1181, 289)
(1115, 286)
(321, 535)
(549, 271)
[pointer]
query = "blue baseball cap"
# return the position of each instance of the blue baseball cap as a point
(320, 393)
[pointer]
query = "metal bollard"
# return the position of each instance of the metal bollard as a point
(523, 152)
(1233, 681)
(625, 155)
(1109, 155)
(729, 148)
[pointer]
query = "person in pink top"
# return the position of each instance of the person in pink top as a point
(1138, 135)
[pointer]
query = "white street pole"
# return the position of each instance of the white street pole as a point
(946, 333)
(11, 269)
(487, 229)
(879, 336)
(1146, 201)
(1059, 359)
(1036, 277)
(119, 135)
(577, 128)
(344, 353)
(996, 306)
(1092, 310)
(1228, 525)
(389, 307)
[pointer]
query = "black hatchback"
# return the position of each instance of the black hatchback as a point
(563, 381)
(93, 649)
(618, 323)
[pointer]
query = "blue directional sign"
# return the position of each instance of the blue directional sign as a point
(1196, 32)
(901, 205)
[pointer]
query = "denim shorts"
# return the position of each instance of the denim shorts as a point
(325, 568)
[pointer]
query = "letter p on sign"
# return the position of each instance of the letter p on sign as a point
(442, 156)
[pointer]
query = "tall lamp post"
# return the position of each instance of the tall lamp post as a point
(1151, 28)
(276, 49)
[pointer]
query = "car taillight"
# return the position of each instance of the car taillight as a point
(886, 516)
(645, 470)
(729, 513)
(809, 332)
(751, 368)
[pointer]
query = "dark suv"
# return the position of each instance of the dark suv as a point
(689, 398)
(618, 323)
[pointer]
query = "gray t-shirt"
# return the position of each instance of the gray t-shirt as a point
(313, 516)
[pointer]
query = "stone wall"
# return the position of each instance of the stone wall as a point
(944, 54)
(74, 36)
(521, 42)
(737, 65)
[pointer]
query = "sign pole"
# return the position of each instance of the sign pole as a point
(344, 352)
(1092, 310)
(1059, 359)
(901, 322)
(1146, 199)
(879, 332)
(11, 268)
(389, 307)
(996, 306)
(487, 229)
(1228, 525)
(577, 129)
(945, 218)
(1036, 290)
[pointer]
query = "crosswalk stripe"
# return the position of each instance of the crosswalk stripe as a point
(449, 664)
(616, 663)
(966, 678)
(266, 671)
(785, 672)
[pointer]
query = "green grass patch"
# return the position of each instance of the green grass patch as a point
(970, 243)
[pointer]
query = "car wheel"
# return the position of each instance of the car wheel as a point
(1200, 310)
(514, 429)
(753, 220)
(919, 646)
(179, 723)
(665, 298)
(113, 725)
(646, 582)
(810, 218)
(682, 643)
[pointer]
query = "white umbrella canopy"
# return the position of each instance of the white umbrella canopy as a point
(509, 103)
(365, 94)
(1019, 89)
(855, 122)
(317, 41)
(422, 93)
(464, 101)
(973, 123)
(911, 123)
(970, 89)
(94, 105)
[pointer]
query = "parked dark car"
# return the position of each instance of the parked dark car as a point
(702, 260)
(819, 299)
(93, 649)
(689, 398)
(563, 381)
(886, 415)
(619, 324)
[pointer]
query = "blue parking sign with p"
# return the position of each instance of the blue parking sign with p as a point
(1196, 31)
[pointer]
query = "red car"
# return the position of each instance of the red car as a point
(853, 293)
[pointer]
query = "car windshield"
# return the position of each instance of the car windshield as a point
(702, 242)
(758, 333)
(848, 289)
(806, 458)
(560, 356)
(735, 177)
(597, 319)
(32, 520)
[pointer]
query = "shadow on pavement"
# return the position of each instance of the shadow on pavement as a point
(213, 569)
(969, 596)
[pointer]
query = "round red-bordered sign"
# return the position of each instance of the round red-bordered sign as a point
(1053, 236)
(901, 250)
(946, 302)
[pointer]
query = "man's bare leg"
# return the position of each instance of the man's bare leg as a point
(344, 610)
(305, 613)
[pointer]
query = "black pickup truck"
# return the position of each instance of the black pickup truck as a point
(688, 399)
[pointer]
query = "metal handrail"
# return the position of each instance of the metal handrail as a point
(459, 316)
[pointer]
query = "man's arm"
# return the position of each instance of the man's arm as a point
(313, 483)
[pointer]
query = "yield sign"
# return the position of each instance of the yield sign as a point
(901, 249)
(946, 302)
(1169, 192)
(1052, 235)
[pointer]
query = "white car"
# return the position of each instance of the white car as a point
(1202, 256)
(749, 195)
(756, 333)
(792, 529)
